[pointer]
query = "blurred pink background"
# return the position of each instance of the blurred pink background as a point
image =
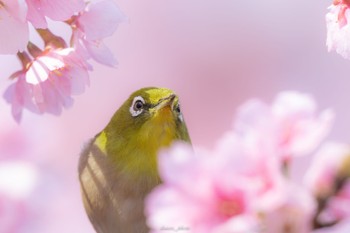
(214, 54)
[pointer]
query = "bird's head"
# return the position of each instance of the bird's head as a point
(149, 119)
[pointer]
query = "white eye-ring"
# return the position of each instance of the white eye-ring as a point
(136, 107)
(178, 110)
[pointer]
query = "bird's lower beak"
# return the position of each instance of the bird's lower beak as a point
(167, 101)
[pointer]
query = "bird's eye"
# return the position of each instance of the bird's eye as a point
(137, 105)
(177, 109)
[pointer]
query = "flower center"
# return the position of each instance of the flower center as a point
(229, 208)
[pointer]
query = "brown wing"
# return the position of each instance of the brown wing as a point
(111, 202)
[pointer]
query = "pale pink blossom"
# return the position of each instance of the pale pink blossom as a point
(96, 49)
(321, 176)
(13, 26)
(48, 83)
(290, 126)
(338, 28)
(234, 164)
(59, 10)
(201, 193)
(252, 158)
(99, 20)
(280, 204)
(287, 208)
(50, 78)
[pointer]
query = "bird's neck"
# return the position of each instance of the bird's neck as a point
(136, 155)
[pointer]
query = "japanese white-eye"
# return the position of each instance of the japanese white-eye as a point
(118, 167)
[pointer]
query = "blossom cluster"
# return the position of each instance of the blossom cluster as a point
(52, 74)
(248, 183)
(338, 28)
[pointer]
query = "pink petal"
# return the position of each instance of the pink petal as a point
(292, 124)
(288, 206)
(16, 8)
(321, 175)
(72, 58)
(165, 208)
(253, 117)
(34, 15)
(338, 205)
(179, 158)
(40, 69)
(49, 83)
(309, 134)
(289, 102)
(100, 19)
(201, 191)
(61, 10)
(37, 92)
(100, 53)
(79, 78)
(299, 129)
(12, 98)
(50, 101)
(79, 46)
(77, 70)
(19, 96)
(14, 33)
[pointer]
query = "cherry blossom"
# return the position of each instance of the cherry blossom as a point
(48, 83)
(338, 29)
(287, 208)
(292, 122)
(99, 20)
(243, 185)
(328, 178)
(52, 74)
(226, 199)
(325, 168)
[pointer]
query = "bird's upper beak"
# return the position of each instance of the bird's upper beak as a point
(167, 101)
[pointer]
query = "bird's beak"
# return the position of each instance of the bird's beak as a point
(167, 101)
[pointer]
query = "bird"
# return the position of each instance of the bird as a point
(118, 167)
